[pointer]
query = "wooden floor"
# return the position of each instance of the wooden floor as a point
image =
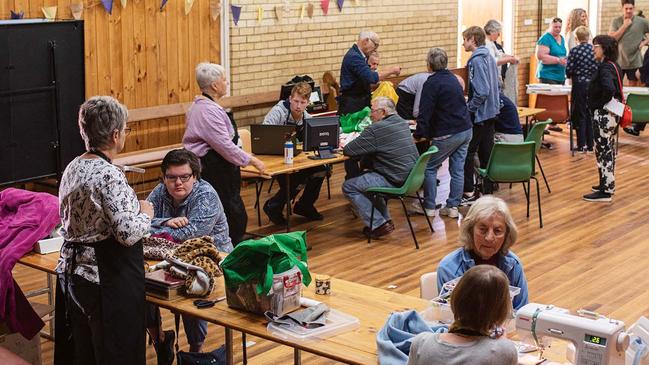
(588, 255)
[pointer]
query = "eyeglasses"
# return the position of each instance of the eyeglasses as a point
(127, 131)
(497, 232)
(376, 110)
(183, 178)
(375, 43)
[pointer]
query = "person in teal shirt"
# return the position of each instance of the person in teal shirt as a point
(551, 53)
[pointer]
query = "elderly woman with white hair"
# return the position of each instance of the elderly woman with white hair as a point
(487, 233)
(212, 136)
(101, 267)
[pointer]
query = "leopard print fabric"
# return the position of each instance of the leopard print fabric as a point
(200, 252)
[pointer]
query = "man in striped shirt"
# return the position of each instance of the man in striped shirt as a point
(391, 149)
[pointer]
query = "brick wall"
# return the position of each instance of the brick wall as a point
(267, 54)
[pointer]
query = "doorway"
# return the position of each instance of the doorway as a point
(478, 12)
(591, 6)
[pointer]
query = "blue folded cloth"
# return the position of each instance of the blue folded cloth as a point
(394, 339)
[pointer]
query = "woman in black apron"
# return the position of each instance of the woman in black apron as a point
(100, 292)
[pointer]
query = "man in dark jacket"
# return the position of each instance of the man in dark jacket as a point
(389, 144)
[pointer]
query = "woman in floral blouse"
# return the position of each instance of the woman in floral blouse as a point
(100, 293)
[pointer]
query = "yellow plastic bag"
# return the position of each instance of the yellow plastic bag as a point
(386, 89)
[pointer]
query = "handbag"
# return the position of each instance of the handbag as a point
(627, 114)
(216, 357)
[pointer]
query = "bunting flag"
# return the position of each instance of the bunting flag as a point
(17, 15)
(215, 9)
(162, 4)
(49, 12)
(123, 2)
(324, 5)
(77, 10)
(302, 12)
(108, 5)
(260, 14)
(309, 10)
(340, 4)
(236, 13)
(188, 6)
(279, 12)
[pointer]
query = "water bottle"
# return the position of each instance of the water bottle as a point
(288, 152)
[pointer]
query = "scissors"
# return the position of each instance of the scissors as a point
(203, 303)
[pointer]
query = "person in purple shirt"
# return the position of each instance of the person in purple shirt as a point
(213, 137)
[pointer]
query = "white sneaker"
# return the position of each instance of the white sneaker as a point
(415, 207)
(450, 212)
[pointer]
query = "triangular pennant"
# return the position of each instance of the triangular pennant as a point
(188, 6)
(324, 5)
(236, 13)
(309, 10)
(123, 2)
(17, 15)
(302, 12)
(49, 12)
(260, 14)
(77, 10)
(215, 9)
(108, 5)
(279, 12)
(340, 4)
(162, 4)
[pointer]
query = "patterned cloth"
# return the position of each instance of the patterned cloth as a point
(581, 63)
(605, 129)
(96, 203)
(156, 248)
(202, 207)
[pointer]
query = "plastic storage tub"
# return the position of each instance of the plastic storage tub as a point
(337, 323)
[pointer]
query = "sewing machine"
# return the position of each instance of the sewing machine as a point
(597, 340)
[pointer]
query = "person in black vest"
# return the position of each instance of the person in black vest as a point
(292, 111)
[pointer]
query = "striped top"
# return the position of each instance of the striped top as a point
(391, 147)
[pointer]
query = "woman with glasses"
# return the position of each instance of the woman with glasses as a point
(186, 207)
(100, 292)
(487, 233)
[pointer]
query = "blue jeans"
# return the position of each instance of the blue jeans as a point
(455, 149)
(354, 190)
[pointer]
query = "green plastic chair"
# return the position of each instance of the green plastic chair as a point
(639, 104)
(536, 135)
(513, 163)
(409, 188)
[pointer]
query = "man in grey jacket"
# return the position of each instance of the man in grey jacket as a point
(389, 144)
(483, 105)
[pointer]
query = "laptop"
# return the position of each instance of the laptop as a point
(270, 139)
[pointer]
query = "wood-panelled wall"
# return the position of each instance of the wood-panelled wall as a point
(140, 55)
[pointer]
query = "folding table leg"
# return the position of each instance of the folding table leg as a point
(229, 347)
(297, 357)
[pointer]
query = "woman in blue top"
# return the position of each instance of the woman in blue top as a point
(551, 53)
(486, 234)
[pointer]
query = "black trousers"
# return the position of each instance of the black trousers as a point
(482, 142)
(581, 117)
(405, 105)
(311, 179)
(225, 178)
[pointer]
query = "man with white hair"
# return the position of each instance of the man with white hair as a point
(387, 142)
(212, 136)
(356, 75)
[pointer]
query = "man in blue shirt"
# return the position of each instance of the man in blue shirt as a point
(356, 76)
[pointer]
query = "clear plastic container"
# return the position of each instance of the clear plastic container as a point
(440, 309)
(337, 323)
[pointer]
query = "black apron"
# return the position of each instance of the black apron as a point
(121, 274)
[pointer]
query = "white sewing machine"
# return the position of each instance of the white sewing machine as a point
(598, 340)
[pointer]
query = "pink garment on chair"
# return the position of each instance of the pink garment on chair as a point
(25, 217)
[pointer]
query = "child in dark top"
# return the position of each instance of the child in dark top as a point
(508, 124)
(580, 68)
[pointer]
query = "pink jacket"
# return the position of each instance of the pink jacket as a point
(25, 217)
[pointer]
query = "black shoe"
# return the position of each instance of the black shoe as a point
(632, 131)
(165, 349)
(309, 212)
(384, 229)
(598, 196)
(274, 216)
(545, 131)
(596, 188)
(469, 200)
(547, 145)
(555, 128)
